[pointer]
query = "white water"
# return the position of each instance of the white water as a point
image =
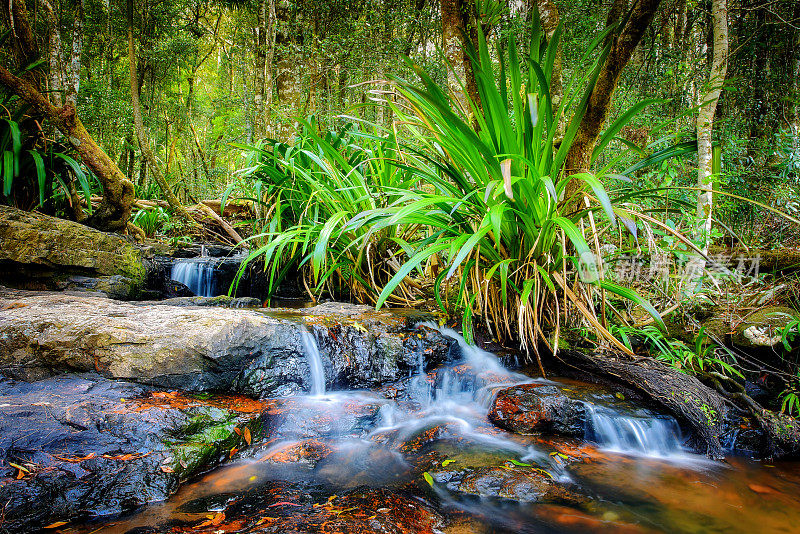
(633, 433)
(198, 274)
(314, 363)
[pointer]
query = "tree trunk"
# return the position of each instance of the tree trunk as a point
(260, 34)
(452, 34)
(74, 79)
(705, 121)
(141, 136)
(115, 210)
(549, 19)
(624, 41)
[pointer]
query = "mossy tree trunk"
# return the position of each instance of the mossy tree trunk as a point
(118, 193)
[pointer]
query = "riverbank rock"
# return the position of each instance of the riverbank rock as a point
(538, 408)
(74, 446)
(763, 327)
(207, 349)
(37, 250)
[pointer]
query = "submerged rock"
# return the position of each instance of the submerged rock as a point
(77, 446)
(223, 301)
(532, 408)
(203, 349)
(282, 507)
(517, 483)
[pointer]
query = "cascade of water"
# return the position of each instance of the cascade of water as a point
(314, 363)
(638, 433)
(197, 274)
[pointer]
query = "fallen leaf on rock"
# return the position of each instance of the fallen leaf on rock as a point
(125, 457)
(56, 524)
(247, 436)
(167, 469)
(75, 459)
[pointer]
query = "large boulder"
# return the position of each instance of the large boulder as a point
(535, 408)
(72, 446)
(207, 349)
(38, 249)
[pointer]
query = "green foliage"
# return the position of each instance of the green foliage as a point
(494, 214)
(700, 358)
(42, 170)
(312, 194)
(151, 220)
(790, 398)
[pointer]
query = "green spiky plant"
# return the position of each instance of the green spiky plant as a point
(308, 191)
(494, 218)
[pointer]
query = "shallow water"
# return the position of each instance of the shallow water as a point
(630, 473)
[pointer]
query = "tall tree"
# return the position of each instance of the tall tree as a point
(141, 135)
(705, 119)
(631, 23)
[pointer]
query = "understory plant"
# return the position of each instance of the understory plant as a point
(493, 223)
(307, 193)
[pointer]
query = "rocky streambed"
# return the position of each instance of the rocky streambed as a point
(159, 417)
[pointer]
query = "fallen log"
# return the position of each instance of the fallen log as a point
(205, 210)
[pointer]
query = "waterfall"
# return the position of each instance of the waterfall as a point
(314, 363)
(637, 433)
(198, 274)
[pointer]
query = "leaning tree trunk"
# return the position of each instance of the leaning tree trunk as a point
(141, 136)
(624, 43)
(705, 121)
(115, 209)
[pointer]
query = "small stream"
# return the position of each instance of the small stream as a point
(630, 473)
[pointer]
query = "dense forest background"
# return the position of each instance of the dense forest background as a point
(215, 76)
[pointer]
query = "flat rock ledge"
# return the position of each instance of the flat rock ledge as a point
(252, 352)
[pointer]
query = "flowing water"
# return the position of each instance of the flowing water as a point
(198, 274)
(314, 363)
(631, 473)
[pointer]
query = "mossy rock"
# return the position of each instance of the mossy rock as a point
(34, 240)
(763, 327)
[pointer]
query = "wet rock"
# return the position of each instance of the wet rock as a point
(115, 287)
(517, 483)
(72, 446)
(280, 509)
(531, 408)
(223, 301)
(36, 249)
(309, 417)
(243, 351)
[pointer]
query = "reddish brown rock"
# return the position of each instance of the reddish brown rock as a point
(538, 408)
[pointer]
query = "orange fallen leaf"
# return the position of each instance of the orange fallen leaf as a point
(758, 488)
(20, 474)
(218, 519)
(167, 469)
(125, 457)
(57, 524)
(233, 451)
(247, 436)
(237, 430)
(75, 459)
